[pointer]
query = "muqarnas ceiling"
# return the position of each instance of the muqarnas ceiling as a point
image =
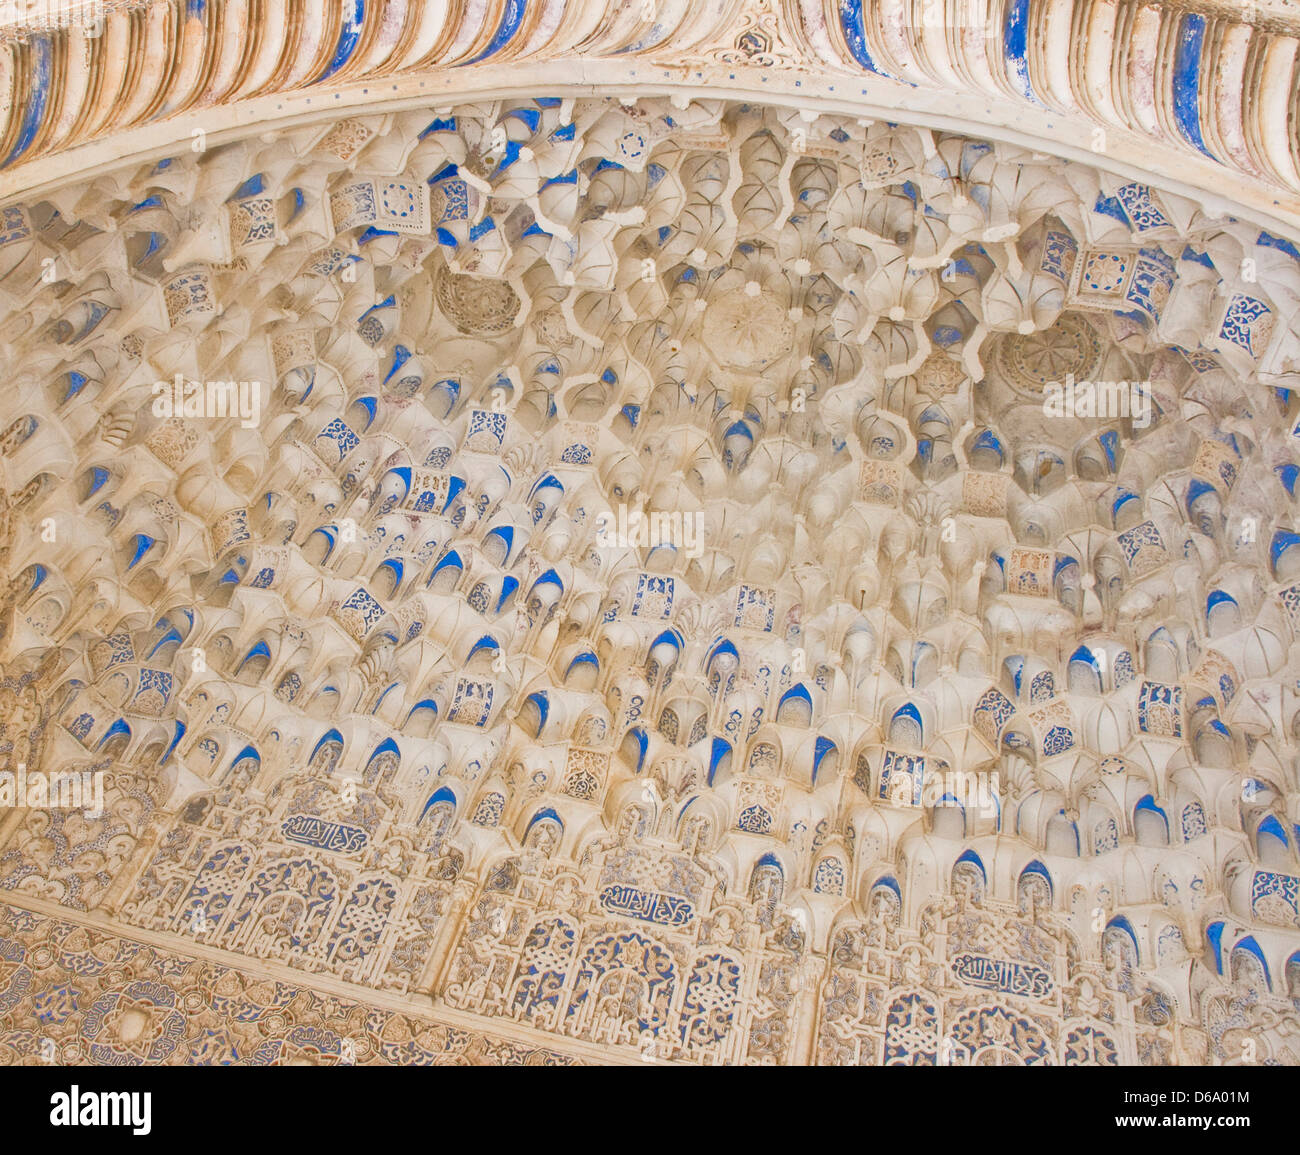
(964, 733)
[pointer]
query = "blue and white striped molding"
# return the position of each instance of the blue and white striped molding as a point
(1203, 98)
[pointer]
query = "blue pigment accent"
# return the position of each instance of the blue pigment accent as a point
(37, 99)
(511, 155)
(854, 28)
(1015, 42)
(1282, 541)
(1110, 207)
(1268, 240)
(530, 116)
(511, 18)
(1190, 254)
(252, 187)
(721, 748)
(973, 858)
(348, 39)
(142, 543)
(1187, 81)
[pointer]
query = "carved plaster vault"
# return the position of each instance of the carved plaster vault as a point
(929, 722)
